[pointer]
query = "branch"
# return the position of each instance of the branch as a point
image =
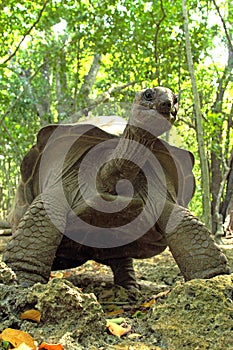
(26, 34)
(12, 139)
(198, 120)
(224, 26)
(224, 179)
(19, 96)
(122, 87)
(100, 99)
(89, 79)
(217, 211)
(190, 125)
(156, 37)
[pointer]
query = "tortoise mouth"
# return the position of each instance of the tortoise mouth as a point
(168, 112)
(174, 113)
(168, 107)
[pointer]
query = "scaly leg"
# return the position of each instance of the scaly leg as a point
(123, 272)
(191, 245)
(31, 251)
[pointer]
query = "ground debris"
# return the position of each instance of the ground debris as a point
(196, 315)
(166, 314)
(65, 312)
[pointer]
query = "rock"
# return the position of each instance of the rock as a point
(196, 315)
(4, 224)
(6, 232)
(227, 249)
(68, 316)
(7, 275)
(4, 240)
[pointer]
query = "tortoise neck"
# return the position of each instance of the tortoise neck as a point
(132, 147)
(126, 160)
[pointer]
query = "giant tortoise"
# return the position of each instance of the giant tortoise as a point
(86, 194)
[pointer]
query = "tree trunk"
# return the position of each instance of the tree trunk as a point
(83, 97)
(229, 221)
(64, 102)
(89, 79)
(41, 99)
(199, 127)
(229, 190)
(218, 163)
(216, 179)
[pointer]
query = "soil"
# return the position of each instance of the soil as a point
(167, 313)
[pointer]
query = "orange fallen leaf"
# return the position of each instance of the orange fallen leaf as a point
(33, 315)
(134, 335)
(60, 274)
(118, 320)
(117, 330)
(148, 304)
(162, 294)
(115, 312)
(66, 274)
(45, 346)
(23, 346)
(57, 274)
(16, 338)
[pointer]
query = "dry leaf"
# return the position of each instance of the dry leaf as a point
(16, 337)
(148, 304)
(134, 335)
(115, 312)
(162, 294)
(57, 274)
(66, 274)
(118, 320)
(45, 346)
(117, 330)
(32, 314)
(108, 294)
(23, 346)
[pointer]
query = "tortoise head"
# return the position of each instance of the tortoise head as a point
(161, 99)
(154, 108)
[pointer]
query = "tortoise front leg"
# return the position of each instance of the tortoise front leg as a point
(191, 245)
(123, 272)
(31, 251)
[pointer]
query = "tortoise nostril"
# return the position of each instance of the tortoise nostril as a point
(166, 104)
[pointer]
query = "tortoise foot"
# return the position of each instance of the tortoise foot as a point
(129, 285)
(221, 269)
(123, 272)
(193, 248)
(26, 280)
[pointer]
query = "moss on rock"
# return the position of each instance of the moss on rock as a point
(196, 315)
(67, 314)
(7, 275)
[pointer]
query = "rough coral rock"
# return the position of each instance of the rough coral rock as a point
(67, 314)
(196, 315)
(7, 275)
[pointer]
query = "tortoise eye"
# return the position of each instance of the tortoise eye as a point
(148, 94)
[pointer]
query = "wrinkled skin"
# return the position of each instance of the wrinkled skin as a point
(48, 235)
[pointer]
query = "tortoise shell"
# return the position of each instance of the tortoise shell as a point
(78, 139)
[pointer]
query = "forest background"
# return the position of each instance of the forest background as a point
(66, 60)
